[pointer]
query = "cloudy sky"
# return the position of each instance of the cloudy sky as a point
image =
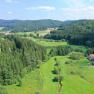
(47, 9)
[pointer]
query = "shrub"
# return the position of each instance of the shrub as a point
(55, 71)
(57, 79)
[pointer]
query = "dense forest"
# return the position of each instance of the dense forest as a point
(28, 25)
(79, 32)
(17, 57)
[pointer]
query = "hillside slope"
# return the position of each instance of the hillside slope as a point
(79, 32)
(29, 25)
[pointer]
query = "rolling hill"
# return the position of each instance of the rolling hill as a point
(29, 25)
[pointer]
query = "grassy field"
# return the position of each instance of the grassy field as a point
(50, 43)
(43, 32)
(78, 75)
(40, 41)
(78, 79)
(40, 33)
(47, 42)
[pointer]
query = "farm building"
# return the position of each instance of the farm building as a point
(91, 58)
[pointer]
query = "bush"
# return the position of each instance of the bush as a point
(56, 64)
(72, 72)
(92, 62)
(57, 79)
(67, 62)
(37, 92)
(55, 71)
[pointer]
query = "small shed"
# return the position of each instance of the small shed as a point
(91, 58)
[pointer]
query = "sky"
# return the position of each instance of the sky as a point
(46, 9)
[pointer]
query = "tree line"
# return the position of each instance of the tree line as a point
(76, 32)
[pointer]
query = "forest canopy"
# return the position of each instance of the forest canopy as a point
(79, 32)
(17, 56)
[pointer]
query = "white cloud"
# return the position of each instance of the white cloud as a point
(8, 1)
(78, 13)
(81, 9)
(44, 8)
(10, 12)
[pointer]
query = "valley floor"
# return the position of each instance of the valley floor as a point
(78, 79)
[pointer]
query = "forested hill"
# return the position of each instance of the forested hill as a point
(29, 25)
(76, 32)
(84, 24)
(17, 57)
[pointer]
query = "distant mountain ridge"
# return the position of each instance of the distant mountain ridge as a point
(77, 22)
(29, 25)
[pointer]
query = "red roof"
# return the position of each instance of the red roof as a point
(91, 57)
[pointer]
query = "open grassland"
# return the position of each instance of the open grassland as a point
(50, 43)
(45, 32)
(47, 42)
(39, 33)
(78, 79)
(40, 41)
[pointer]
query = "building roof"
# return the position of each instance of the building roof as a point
(91, 56)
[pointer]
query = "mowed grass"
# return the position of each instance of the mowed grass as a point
(49, 43)
(78, 79)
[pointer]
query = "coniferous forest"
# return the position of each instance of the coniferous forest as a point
(17, 57)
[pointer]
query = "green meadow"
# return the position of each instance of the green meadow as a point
(78, 78)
